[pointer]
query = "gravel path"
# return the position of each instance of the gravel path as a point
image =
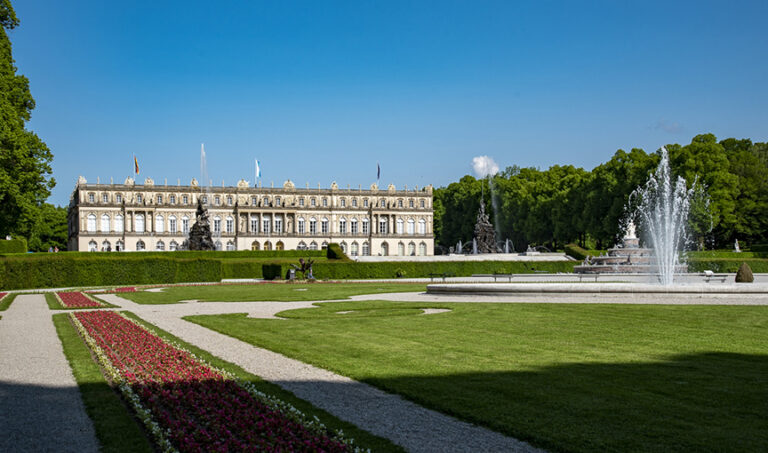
(40, 404)
(404, 423)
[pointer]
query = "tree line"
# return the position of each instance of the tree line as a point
(565, 204)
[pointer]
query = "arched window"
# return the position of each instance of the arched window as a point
(343, 246)
(385, 249)
(343, 226)
(217, 228)
(313, 245)
(91, 223)
(230, 225)
(366, 249)
(302, 246)
(312, 225)
(411, 226)
(140, 246)
(324, 245)
(255, 245)
(279, 245)
(422, 226)
(173, 246)
(353, 249)
(230, 245)
(159, 224)
(324, 226)
(399, 226)
(106, 246)
(353, 226)
(301, 225)
(119, 224)
(267, 245)
(411, 249)
(400, 249)
(218, 245)
(185, 225)
(383, 225)
(93, 246)
(140, 223)
(160, 246)
(119, 246)
(172, 224)
(422, 249)
(105, 223)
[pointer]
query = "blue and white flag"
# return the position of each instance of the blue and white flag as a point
(258, 170)
(378, 171)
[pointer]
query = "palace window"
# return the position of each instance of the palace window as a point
(302, 246)
(366, 249)
(313, 245)
(119, 223)
(343, 246)
(343, 226)
(277, 202)
(265, 224)
(411, 249)
(230, 245)
(159, 224)
(185, 199)
(217, 200)
(301, 202)
(140, 246)
(343, 202)
(400, 249)
(205, 199)
(354, 202)
(265, 201)
(217, 224)
(91, 198)
(312, 225)
(353, 226)
(383, 203)
(229, 201)
(324, 226)
(422, 249)
(300, 224)
(354, 249)
(159, 199)
(160, 246)
(118, 198)
(410, 203)
(278, 225)
(383, 226)
(172, 224)
(365, 203)
(421, 203)
(105, 223)
(411, 225)
(230, 226)
(173, 246)
(254, 224)
(93, 246)
(365, 226)
(139, 199)
(172, 199)
(105, 198)
(91, 225)
(325, 202)
(106, 246)
(217, 245)
(185, 225)
(312, 202)
(399, 203)
(422, 226)
(139, 223)
(254, 201)
(399, 226)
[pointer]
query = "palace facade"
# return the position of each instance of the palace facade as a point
(133, 217)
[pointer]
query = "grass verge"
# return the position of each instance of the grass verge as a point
(116, 430)
(362, 438)
(566, 377)
(7, 300)
(269, 292)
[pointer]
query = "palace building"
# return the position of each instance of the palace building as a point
(133, 217)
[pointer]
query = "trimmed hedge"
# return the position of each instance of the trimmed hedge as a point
(726, 265)
(50, 271)
(273, 271)
(186, 254)
(334, 252)
(13, 246)
(576, 252)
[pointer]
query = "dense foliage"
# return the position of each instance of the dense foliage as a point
(565, 204)
(25, 170)
(13, 246)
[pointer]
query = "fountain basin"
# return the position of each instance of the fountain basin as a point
(500, 289)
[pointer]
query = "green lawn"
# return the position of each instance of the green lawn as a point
(269, 291)
(565, 377)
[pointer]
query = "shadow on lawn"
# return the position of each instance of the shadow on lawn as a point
(698, 402)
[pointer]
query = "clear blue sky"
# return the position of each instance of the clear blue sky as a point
(321, 90)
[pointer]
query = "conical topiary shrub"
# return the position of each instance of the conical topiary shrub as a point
(744, 274)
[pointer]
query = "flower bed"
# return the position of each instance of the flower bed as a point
(125, 289)
(3, 295)
(190, 406)
(77, 300)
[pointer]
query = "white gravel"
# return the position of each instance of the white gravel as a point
(407, 424)
(40, 404)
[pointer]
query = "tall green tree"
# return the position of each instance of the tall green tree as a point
(25, 170)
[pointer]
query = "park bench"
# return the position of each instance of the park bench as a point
(442, 275)
(710, 275)
(582, 276)
(496, 276)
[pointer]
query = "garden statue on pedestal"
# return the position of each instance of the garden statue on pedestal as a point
(305, 267)
(200, 234)
(484, 232)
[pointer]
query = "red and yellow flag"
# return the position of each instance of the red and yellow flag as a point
(136, 164)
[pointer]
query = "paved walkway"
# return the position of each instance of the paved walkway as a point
(404, 423)
(40, 404)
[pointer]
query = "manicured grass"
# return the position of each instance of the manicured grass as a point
(565, 377)
(115, 429)
(269, 291)
(6, 302)
(361, 438)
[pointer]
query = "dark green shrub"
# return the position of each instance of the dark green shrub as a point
(726, 265)
(762, 248)
(334, 252)
(273, 271)
(13, 246)
(744, 274)
(334, 270)
(576, 252)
